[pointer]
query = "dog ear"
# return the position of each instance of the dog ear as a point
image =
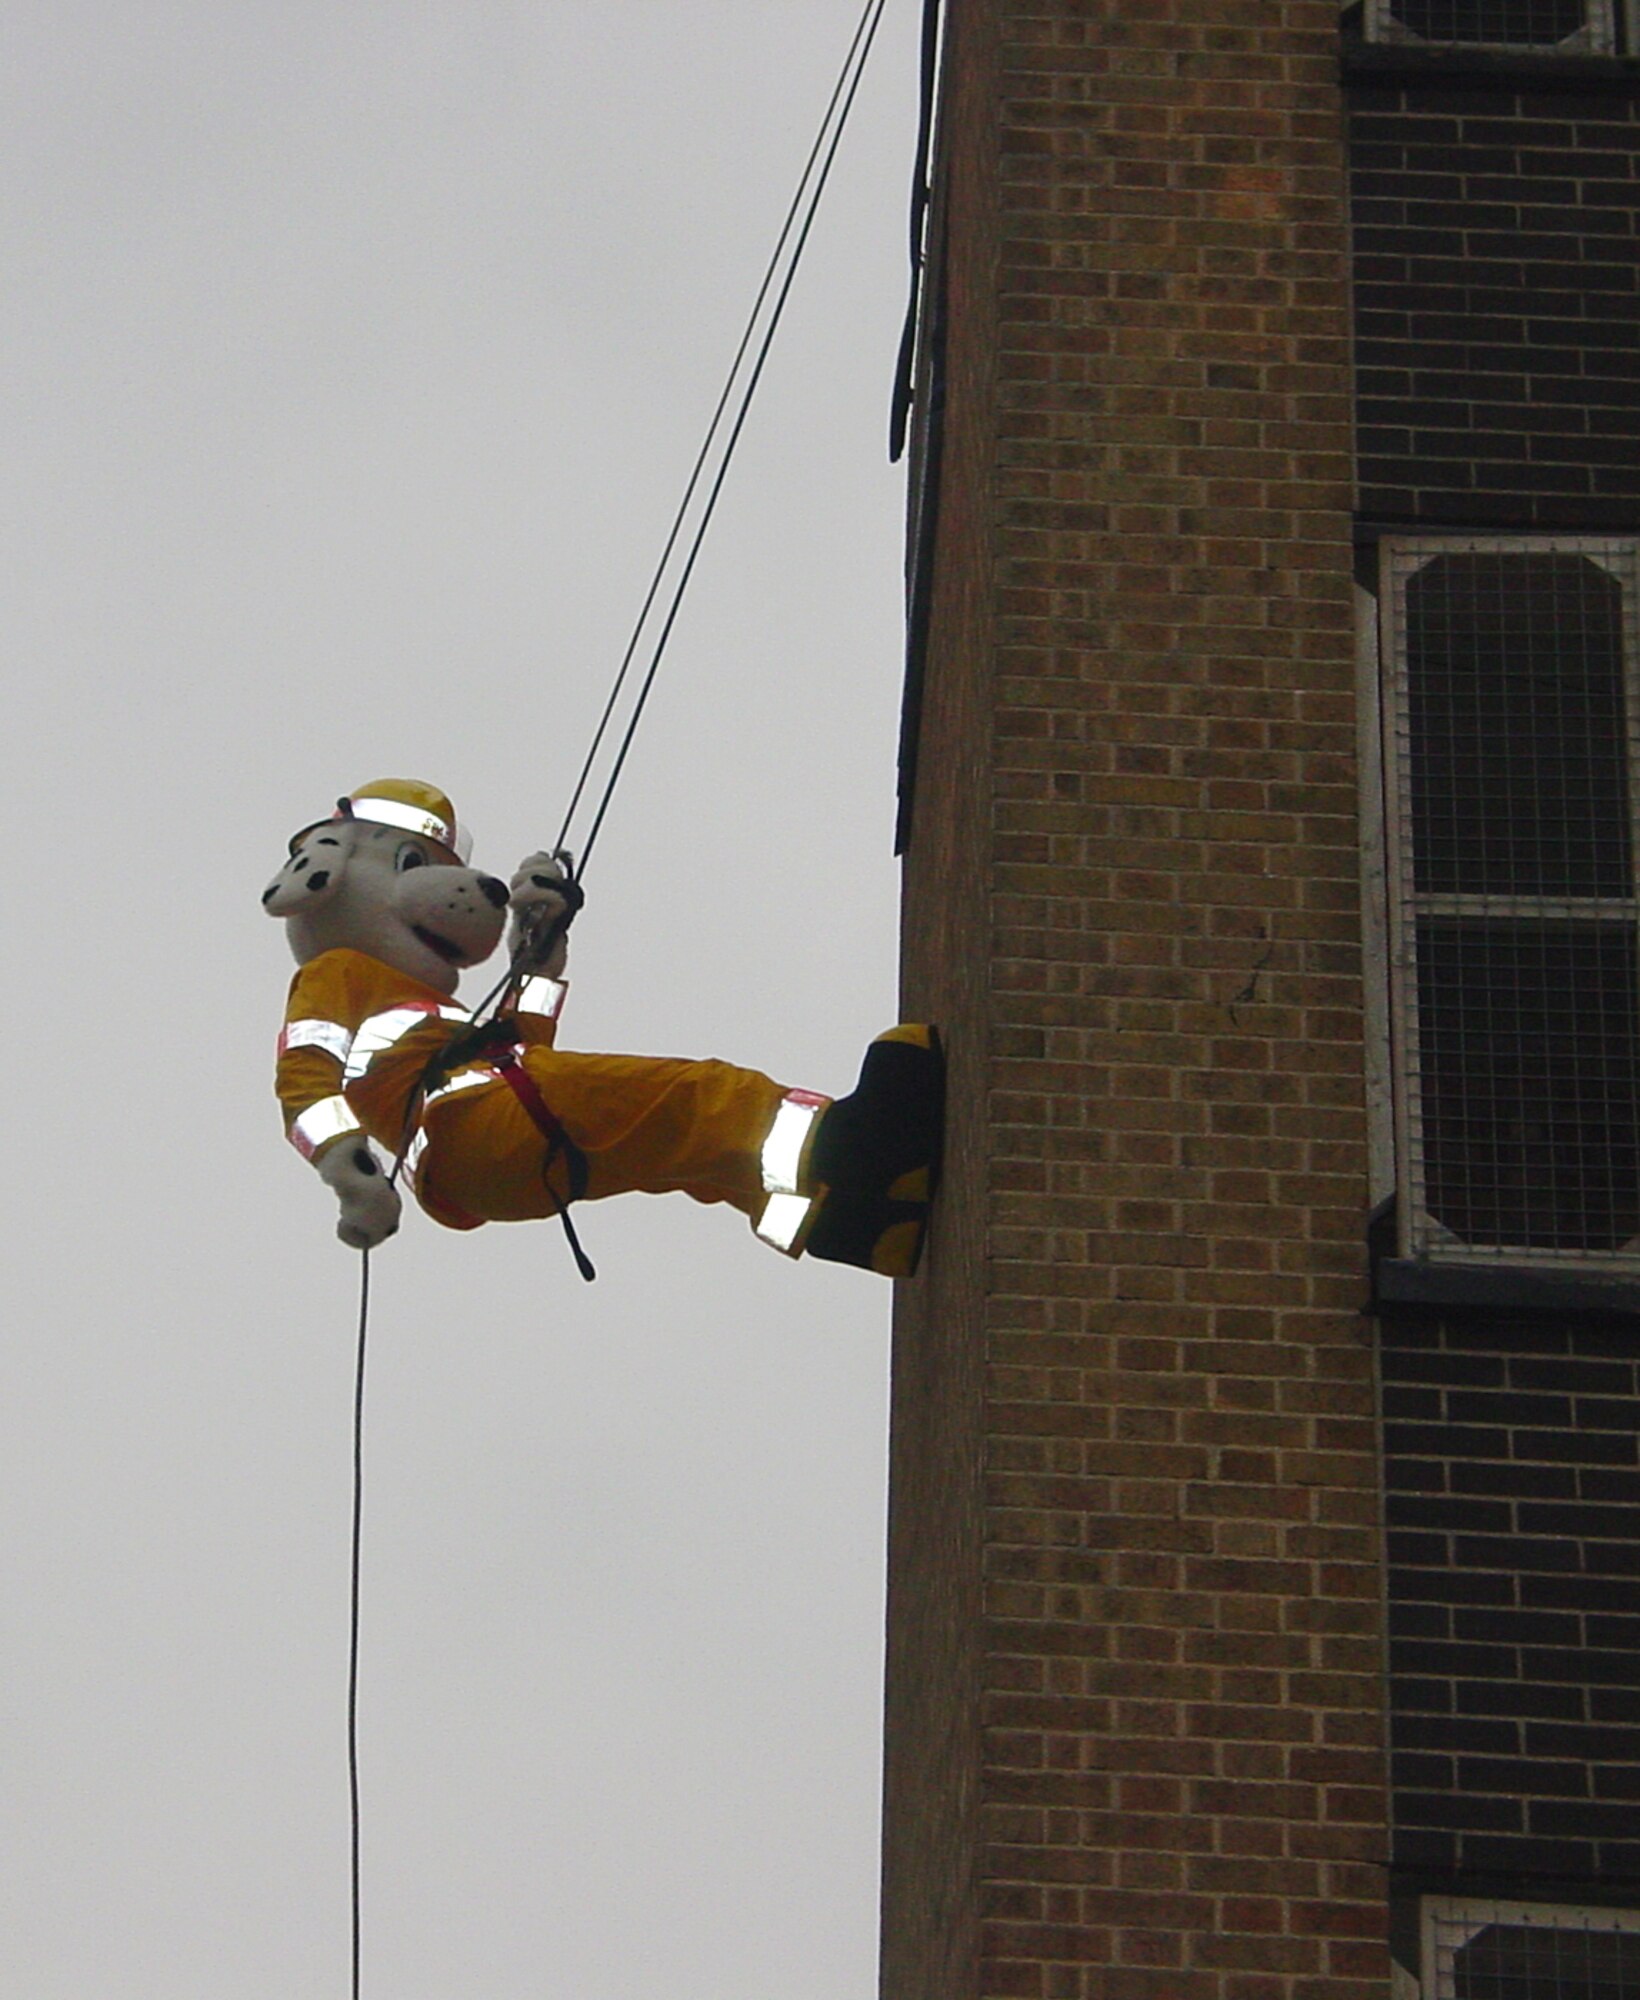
(313, 873)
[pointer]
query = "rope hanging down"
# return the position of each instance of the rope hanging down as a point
(353, 1644)
(788, 247)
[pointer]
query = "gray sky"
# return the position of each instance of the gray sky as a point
(355, 354)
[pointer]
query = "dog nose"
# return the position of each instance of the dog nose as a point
(494, 889)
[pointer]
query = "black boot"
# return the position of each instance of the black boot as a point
(876, 1153)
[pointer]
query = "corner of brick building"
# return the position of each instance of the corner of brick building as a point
(1135, 1698)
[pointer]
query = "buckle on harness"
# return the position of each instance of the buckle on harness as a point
(478, 1043)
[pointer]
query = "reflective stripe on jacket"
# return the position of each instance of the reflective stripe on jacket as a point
(358, 1035)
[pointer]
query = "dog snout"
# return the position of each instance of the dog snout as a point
(494, 889)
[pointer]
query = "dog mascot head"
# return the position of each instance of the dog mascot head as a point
(388, 876)
(387, 879)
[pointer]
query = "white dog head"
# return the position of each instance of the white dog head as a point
(397, 896)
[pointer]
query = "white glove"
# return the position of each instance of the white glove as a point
(370, 1206)
(537, 901)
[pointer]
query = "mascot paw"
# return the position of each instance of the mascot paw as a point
(370, 1206)
(541, 894)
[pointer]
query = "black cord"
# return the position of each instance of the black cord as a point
(535, 946)
(353, 1649)
(845, 89)
(706, 446)
(905, 371)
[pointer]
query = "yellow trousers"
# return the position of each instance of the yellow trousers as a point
(646, 1125)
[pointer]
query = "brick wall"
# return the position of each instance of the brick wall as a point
(1497, 279)
(1513, 1468)
(1147, 1762)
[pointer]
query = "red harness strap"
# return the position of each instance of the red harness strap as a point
(545, 1120)
(497, 1043)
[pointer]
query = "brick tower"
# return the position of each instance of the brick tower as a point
(1271, 821)
(1135, 1678)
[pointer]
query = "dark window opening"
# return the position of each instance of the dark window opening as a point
(1535, 1962)
(1529, 1061)
(1519, 761)
(1548, 27)
(1522, 23)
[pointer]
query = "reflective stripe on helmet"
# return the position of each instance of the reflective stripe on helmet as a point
(330, 1036)
(540, 995)
(782, 1220)
(788, 1135)
(413, 819)
(401, 802)
(381, 1031)
(331, 1118)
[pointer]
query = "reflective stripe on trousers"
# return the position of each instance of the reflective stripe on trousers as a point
(786, 1211)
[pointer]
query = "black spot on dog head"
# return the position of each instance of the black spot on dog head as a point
(298, 864)
(365, 1161)
(495, 891)
(270, 892)
(327, 840)
(319, 878)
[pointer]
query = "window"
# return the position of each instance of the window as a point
(1476, 1950)
(1512, 754)
(1549, 27)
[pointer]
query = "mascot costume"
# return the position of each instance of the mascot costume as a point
(493, 1122)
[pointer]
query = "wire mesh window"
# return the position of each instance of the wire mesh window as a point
(1514, 769)
(1549, 26)
(1528, 1951)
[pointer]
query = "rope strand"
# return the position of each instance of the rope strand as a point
(814, 184)
(353, 1647)
(847, 85)
(706, 443)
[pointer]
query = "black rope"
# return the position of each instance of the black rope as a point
(353, 1649)
(535, 947)
(899, 414)
(536, 944)
(846, 87)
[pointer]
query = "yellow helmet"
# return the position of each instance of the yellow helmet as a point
(406, 803)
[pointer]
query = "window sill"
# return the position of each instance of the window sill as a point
(1410, 1281)
(1401, 62)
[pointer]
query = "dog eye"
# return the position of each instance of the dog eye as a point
(409, 856)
